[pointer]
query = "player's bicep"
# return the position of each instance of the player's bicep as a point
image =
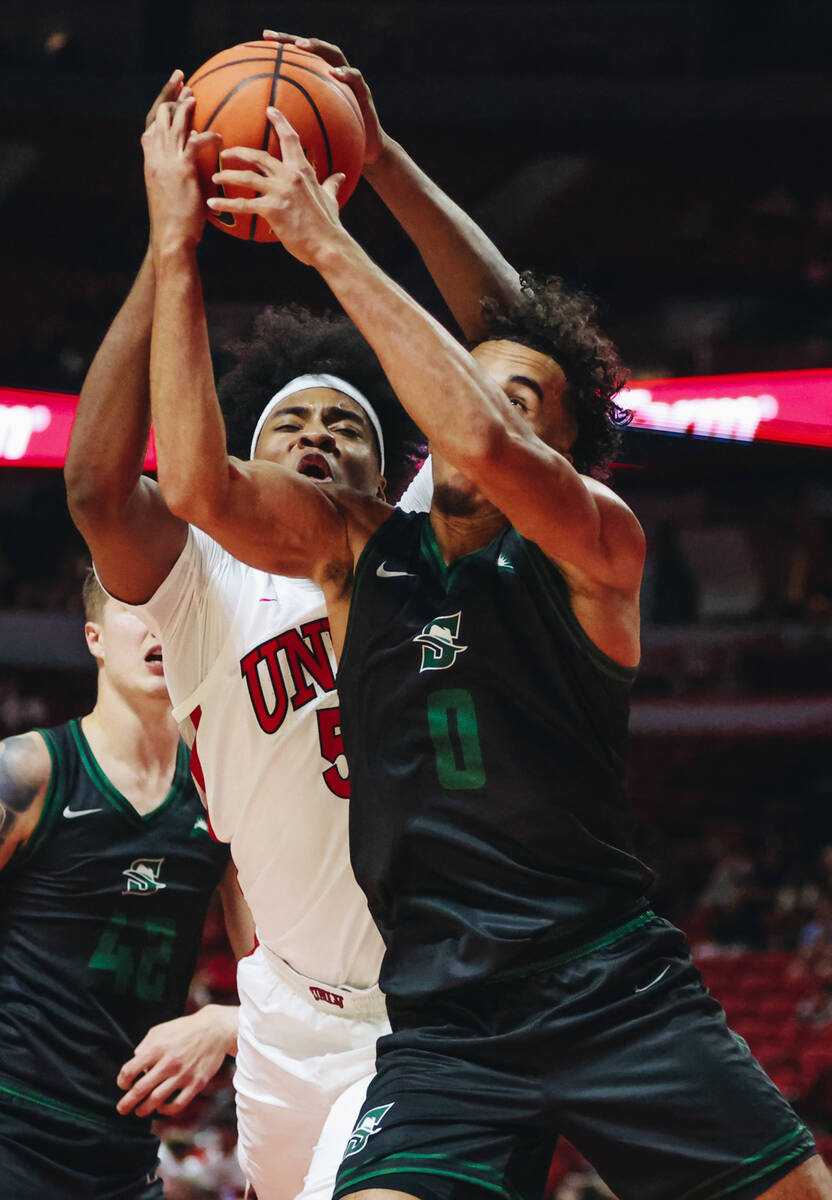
(25, 770)
(135, 547)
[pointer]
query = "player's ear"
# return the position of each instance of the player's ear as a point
(95, 642)
(381, 491)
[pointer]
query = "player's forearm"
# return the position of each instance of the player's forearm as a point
(189, 430)
(451, 400)
(109, 437)
(464, 263)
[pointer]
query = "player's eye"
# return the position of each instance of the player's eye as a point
(518, 403)
(284, 427)
(348, 431)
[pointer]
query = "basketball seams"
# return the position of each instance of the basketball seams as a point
(303, 64)
(238, 87)
(267, 128)
(317, 115)
(312, 105)
(223, 66)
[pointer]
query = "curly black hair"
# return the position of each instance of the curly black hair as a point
(549, 318)
(291, 341)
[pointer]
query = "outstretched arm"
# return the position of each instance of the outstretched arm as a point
(464, 263)
(133, 537)
(243, 505)
(466, 415)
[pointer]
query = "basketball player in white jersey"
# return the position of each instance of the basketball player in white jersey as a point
(250, 670)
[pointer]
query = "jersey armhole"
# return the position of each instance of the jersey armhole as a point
(551, 581)
(51, 803)
(359, 575)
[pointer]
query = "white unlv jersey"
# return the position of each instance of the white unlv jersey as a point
(250, 670)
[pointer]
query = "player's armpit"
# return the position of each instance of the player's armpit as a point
(25, 770)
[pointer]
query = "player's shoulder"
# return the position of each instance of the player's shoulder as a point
(25, 774)
(25, 762)
(621, 525)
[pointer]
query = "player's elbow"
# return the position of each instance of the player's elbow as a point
(91, 494)
(193, 503)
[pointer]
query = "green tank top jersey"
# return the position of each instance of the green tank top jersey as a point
(486, 737)
(101, 915)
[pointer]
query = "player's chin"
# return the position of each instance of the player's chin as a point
(457, 497)
(155, 686)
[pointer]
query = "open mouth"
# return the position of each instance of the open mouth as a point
(314, 466)
(154, 655)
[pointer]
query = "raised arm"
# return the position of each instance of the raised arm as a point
(25, 771)
(243, 505)
(467, 416)
(133, 538)
(464, 263)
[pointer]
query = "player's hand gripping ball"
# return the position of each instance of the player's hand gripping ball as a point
(233, 90)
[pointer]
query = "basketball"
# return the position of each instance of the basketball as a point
(233, 90)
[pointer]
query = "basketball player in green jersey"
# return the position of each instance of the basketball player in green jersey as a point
(486, 654)
(107, 871)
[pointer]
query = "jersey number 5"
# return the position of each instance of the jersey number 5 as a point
(332, 748)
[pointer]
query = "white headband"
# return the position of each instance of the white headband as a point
(303, 383)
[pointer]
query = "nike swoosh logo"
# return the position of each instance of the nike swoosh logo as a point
(383, 573)
(71, 813)
(653, 982)
(269, 600)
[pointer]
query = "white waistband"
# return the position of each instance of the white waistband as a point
(364, 1003)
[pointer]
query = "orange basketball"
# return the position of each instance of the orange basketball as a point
(233, 90)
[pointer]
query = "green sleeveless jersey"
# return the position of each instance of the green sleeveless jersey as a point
(486, 738)
(101, 915)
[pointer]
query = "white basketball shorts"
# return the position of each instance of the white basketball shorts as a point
(306, 1053)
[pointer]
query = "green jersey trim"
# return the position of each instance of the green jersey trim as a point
(52, 801)
(447, 572)
(9, 1088)
(425, 1164)
(599, 943)
(700, 1190)
(113, 795)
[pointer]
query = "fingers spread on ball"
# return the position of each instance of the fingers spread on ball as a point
(290, 147)
(246, 155)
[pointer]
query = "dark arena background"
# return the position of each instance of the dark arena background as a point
(671, 156)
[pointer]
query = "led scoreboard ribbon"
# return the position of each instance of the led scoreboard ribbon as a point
(35, 428)
(776, 406)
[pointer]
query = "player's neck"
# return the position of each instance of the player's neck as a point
(138, 733)
(460, 535)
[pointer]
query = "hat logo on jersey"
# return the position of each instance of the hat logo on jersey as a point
(439, 643)
(369, 1124)
(143, 877)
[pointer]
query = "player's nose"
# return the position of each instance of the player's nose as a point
(321, 439)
